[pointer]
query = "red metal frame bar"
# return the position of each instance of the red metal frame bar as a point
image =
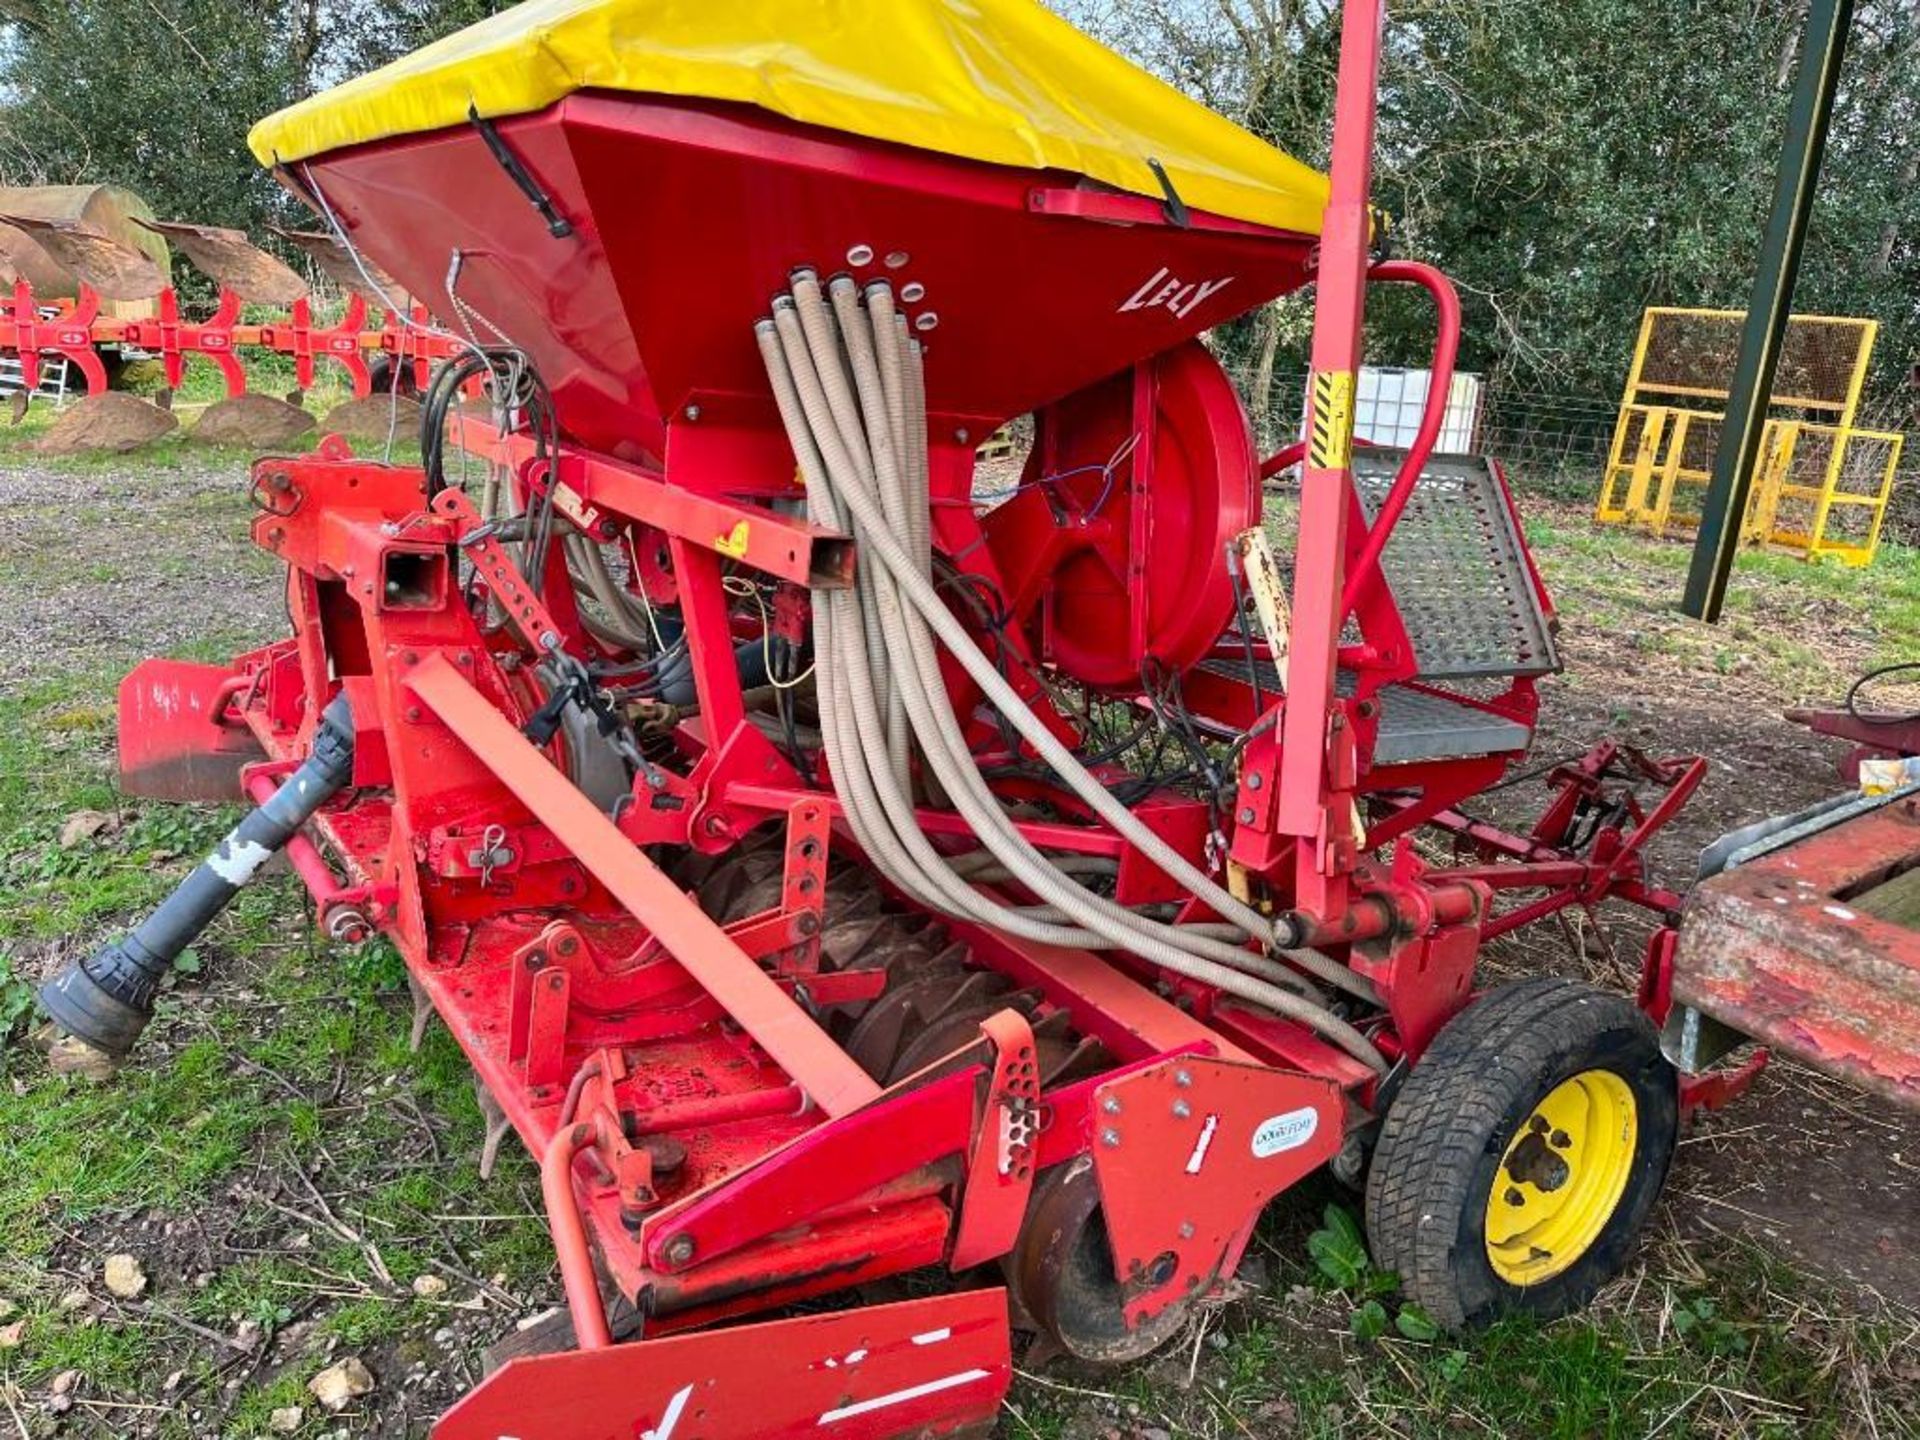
(1316, 759)
(788, 549)
(1363, 573)
(703, 948)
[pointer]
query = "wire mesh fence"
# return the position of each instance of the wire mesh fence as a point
(1558, 443)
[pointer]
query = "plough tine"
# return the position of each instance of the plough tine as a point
(498, 1127)
(232, 262)
(423, 1013)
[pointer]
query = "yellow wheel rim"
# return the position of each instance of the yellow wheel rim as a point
(1562, 1177)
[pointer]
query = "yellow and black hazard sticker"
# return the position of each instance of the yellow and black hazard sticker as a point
(1331, 445)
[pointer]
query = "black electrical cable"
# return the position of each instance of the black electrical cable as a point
(514, 385)
(1244, 625)
(1879, 717)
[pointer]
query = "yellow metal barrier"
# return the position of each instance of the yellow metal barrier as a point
(1823, 483)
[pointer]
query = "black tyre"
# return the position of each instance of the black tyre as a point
(1517, 1165)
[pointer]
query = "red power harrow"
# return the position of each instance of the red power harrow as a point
(830, 875)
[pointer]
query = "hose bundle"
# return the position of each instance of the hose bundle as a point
(847, 376)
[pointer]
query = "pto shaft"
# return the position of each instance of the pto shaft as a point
(105, 1001)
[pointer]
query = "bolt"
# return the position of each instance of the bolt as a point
(1246, 815)
(1254, 782)
(1181, 1110)
(961, 435)
(809, 922)
(1111, 1105)
(1110, 1139)
(692, 412)
(1182, 1078)
(1186, 1230)
(413, 714)
(680, 1250)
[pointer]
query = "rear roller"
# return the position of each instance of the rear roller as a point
(1517, 1166)
(1061, 1272)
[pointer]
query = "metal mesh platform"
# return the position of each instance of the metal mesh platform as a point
(1457, 570)
(1415, 726)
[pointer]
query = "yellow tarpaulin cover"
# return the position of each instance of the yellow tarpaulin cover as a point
(1002, 81)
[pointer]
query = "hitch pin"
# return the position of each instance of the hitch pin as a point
(493, 852)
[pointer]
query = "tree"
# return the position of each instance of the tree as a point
(1571, 164)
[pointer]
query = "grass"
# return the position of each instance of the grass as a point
(1804, 629)
(286, 1166)
(279, 1055)
(1738, 1347)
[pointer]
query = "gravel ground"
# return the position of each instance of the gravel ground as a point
(103, 565)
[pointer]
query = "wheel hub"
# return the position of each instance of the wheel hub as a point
(1561, 1178)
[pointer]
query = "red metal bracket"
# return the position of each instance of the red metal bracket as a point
(789, 549)
(1001, 1165)
(791, 929)
(927, 1367)
(175, 339)
(69, 334)
(1719, 1088)
(524, 610)
(299, 337)
(1187, 1153)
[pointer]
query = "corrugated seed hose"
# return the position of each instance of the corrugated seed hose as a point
(847, 376)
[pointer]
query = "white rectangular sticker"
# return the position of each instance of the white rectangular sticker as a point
(1281, 1133)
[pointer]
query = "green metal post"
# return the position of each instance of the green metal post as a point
(1738, 454)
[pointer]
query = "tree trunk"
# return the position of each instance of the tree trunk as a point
(1890, 232)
